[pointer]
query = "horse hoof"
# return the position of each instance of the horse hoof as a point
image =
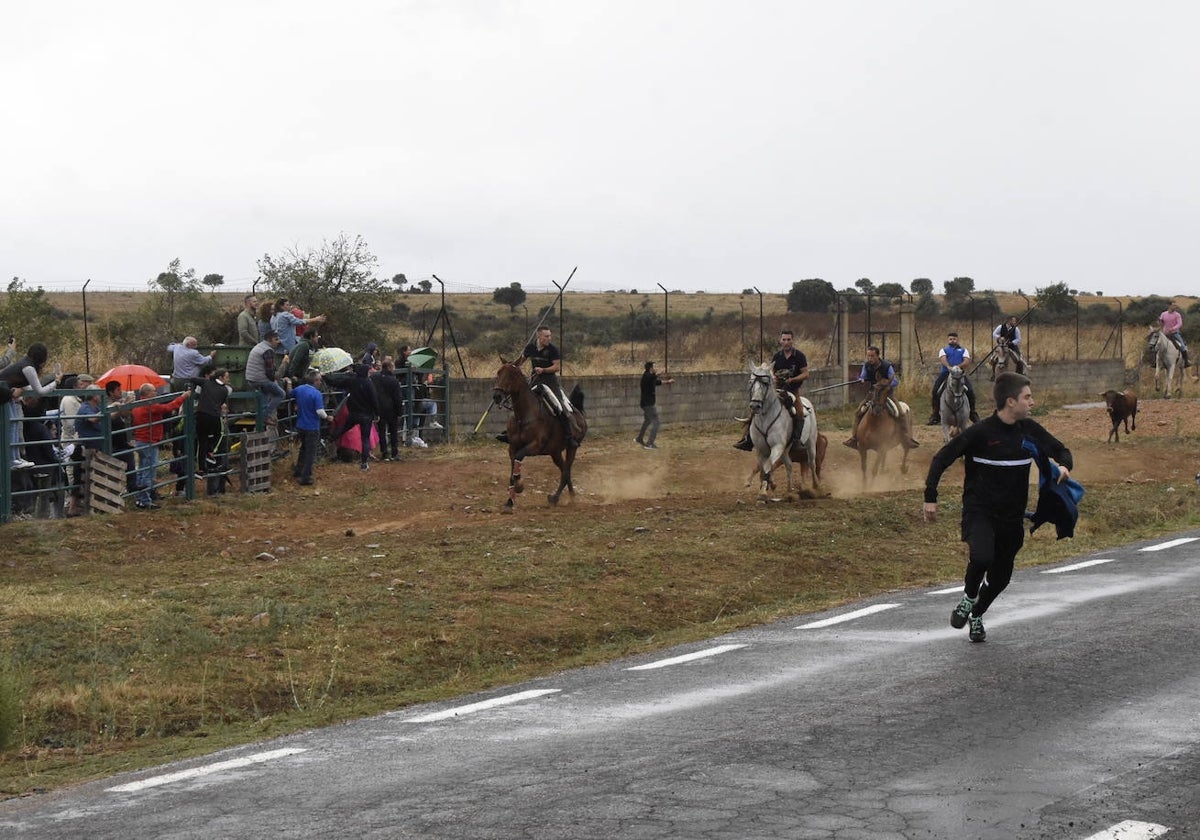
(519, 487)
(552, 500)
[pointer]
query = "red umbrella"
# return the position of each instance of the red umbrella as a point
(131, 377)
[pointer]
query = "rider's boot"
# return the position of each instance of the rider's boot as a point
(744, 444)
(502, 437)
(852, 441)
(797, 428)
(565, 418)
(974, 416)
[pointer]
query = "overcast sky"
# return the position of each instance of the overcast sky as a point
(699, 144)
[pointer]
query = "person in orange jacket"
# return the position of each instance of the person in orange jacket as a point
(148, 434)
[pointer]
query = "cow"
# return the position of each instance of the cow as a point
(1122, 407)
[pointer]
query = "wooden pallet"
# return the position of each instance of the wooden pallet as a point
(255, 464)
(103, 483)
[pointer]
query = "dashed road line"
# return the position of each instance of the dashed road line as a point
(1130, 830)
(1170, 544)
(850, 616)
(482, 705)
(207, 770)
(1076, 566)
(953, 590)
(687, 657)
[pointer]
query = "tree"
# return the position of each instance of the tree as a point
(890, 291)
(959, 287)
(1056, 303)
(511, 296)
(921, 286)
(400, 280)
(812, 295)
(26, 314)
(337, 280)
(213, 280)
(853, 300)
(864, 285)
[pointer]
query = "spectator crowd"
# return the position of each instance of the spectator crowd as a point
(318, 397)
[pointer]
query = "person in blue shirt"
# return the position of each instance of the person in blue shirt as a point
(952, 354)
(873, 368)
(310, 411)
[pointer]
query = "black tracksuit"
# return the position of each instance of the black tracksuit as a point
(995, 496)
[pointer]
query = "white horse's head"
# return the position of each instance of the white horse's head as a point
(760, 386)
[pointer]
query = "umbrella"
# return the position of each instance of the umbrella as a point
(132, 377)
(330, 359)
(423, 357)
(352, 438)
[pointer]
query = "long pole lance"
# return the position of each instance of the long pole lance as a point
(536, 327)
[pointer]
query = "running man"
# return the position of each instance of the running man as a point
(998, 452)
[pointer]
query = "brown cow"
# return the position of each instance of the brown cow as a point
(1122, 407)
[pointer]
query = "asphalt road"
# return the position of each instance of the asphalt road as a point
(1078, 718)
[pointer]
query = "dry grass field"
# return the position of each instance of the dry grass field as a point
(137, 638)
(720, 343)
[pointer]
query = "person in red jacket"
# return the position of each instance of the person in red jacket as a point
(148, 434)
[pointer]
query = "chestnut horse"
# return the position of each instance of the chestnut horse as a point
(534, 430)
(880, 431)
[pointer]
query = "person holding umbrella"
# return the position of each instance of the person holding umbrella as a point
(362, 405)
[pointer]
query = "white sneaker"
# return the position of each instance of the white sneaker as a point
(22, 464)
(420, 444)
(435, 425)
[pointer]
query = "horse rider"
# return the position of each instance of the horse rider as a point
(546, 362)
(874, 369)
(792, 362)
(1172, 326)
(950, 355)
(1009, 333)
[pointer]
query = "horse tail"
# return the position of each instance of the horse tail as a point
(577, 398)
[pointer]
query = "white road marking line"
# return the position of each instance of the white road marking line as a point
(1170, 544)
(1075, 566)
(1130, 830)
(196, 772)
(850, 616)
(483, 704)
(954, 590)
(687, 657)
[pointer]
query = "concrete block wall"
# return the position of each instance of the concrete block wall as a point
(611, 402)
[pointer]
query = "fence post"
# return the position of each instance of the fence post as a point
(5, 462)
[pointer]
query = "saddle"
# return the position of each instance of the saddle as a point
(557, 403)
(792, 402)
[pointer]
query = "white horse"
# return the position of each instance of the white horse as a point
(1004, 357)
(955, 407)
(771, 428)
(1166, 359)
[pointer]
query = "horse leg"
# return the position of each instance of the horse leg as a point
(563, 472)
(515, 485)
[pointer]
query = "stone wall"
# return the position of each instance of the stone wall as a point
(612, 401)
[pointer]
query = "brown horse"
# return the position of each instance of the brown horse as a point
(880, 431)
(534, 430)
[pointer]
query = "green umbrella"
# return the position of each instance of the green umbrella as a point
(423, 357)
